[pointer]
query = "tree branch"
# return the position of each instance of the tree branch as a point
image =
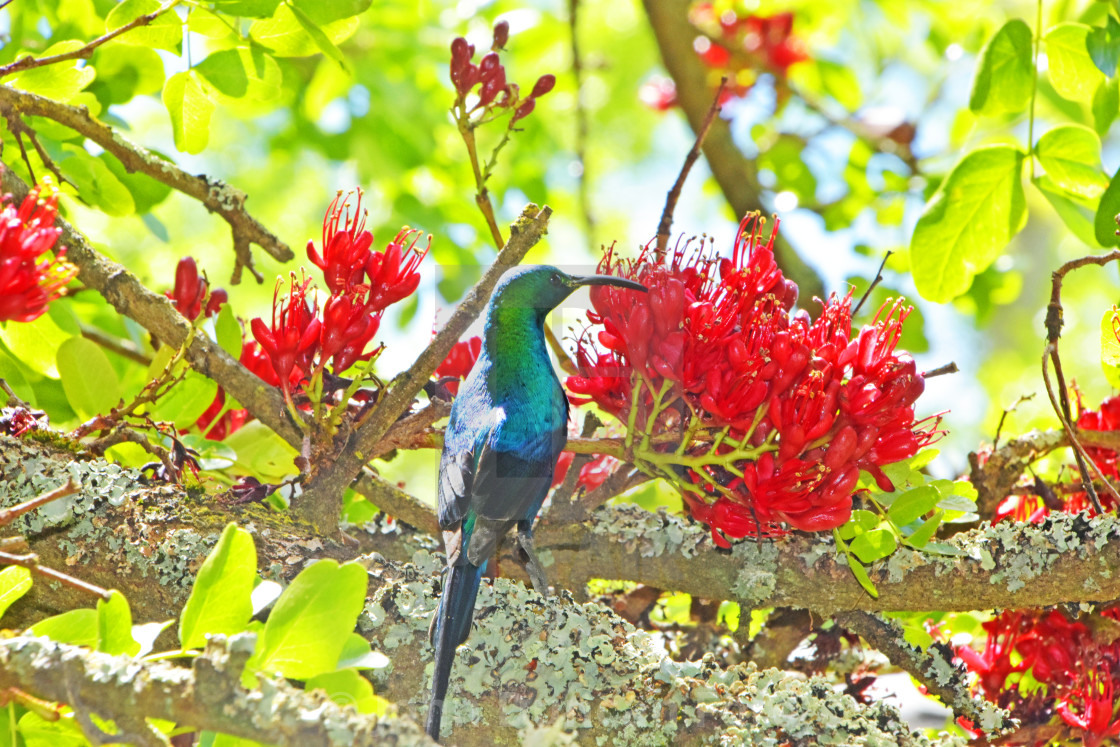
(208, 696)
(215, 195)
(84, 53)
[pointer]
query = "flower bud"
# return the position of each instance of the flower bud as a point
(501, 35)
(523, 111)
(544, 84)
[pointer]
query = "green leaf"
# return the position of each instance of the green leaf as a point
(1110, 347)
(1071, 155)
(861, 575)
(96, 183)
(1104, 224)
(1005, 74)
(347, 688)
(79, 627)
(873, 545)
(242, 72)
(323, 12)
(1103, 45)
(60, 81)
(220, 600)
(14, 582)
(12, 372)
(114, 624)
(1073, 212)
(357, 654)
(163, 32)
(146, 192)
(228, 331)
(88, 378)
(969, 220)
(38, 732)
(322, 41)
(35, 344)
(1071, 70)
(913, 504)
(261, 452)
(1106, 105)
(312, 620)
(124, 72)
(185, 402)
(922, 535)
(247, 8)
(286, 32)
(189, 103)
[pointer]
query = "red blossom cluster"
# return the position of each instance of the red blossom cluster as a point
(1033, 507)
(190, 290)
(489, 75)
(27, 283)
(806, 404)
(1054, 674)
(302, 338)
(459, 362)
(737, 45)
(217, 428)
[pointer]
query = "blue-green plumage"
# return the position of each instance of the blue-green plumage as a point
(508, 425)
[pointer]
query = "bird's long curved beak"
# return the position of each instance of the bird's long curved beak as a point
(608, 280)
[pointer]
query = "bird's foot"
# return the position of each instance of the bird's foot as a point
(532, 564)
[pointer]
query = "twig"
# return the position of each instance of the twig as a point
(583, 183)
(215, 195)
(1007, 411)
(30, 561)
(123, 348)
(29, 62)
(948, 368)
(1054, 322)
(8, 515)
(666, 223)
(878, 279)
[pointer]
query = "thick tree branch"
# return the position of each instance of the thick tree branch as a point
(737, 177)
(208, 696)
(215, 195)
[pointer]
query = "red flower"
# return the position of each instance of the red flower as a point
(807, 404)
(346, 330)
(292, 340)
(190, 289)
(593, 474)
(459, 361)
(28, 285)
(393, 273)
(346, 244)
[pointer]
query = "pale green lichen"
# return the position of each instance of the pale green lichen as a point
(532, 660)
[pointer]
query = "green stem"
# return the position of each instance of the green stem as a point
(1034, 85)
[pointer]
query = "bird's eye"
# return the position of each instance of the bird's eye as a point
(554, 279)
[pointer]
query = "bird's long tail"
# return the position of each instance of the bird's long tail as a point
(453, 624)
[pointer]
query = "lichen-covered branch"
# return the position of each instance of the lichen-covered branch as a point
(215, 195)
(736, 175)
(208, 696)
(934, 668)
(538, 660)
(534, 660)
(323, 495)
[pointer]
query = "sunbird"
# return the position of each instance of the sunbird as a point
(507, 428)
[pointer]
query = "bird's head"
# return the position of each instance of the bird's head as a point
(543, 287)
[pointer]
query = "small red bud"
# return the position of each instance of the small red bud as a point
(544, 84)
(501, 35)
(489, 65)
(524, 110)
